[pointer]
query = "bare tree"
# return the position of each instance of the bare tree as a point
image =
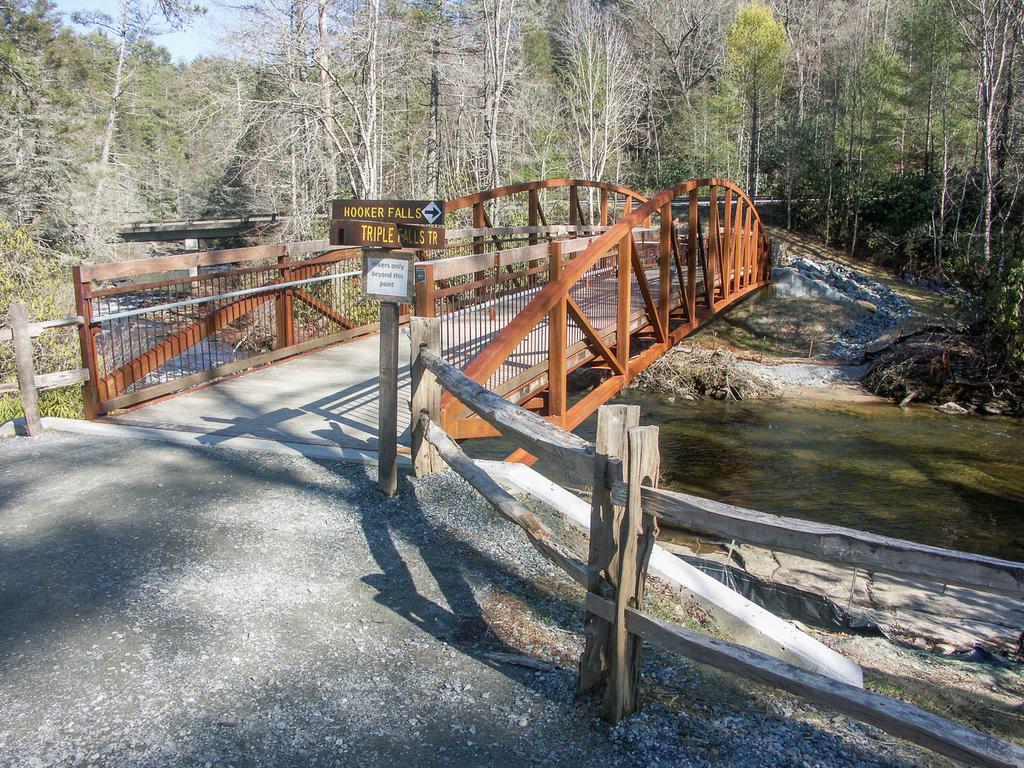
(992, 29)
(601, 93)
(498, 28)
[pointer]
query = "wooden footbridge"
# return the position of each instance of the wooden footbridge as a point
(584, 274)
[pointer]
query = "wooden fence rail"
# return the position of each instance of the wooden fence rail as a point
(832, 543)
(29, 383)
(622, 469)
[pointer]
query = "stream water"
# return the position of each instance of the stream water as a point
(951, 481)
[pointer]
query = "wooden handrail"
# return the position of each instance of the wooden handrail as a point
(135, 267)
(550, 229)
(466, 201)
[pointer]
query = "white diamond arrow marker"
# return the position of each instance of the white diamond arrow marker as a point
(432, 212)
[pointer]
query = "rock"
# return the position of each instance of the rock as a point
(952, 408)
(995, 407)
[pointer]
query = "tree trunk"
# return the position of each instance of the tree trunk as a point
(326, 107)
(755, 130)
(111, 124)
(434, 128)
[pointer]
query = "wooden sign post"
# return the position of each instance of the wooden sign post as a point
(377, 226)
(387, 278)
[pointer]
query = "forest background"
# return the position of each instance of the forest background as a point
(890, 128)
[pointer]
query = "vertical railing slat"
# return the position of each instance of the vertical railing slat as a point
(557, 330)
(691, 258)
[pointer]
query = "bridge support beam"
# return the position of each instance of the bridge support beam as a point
(664, 267)
(624, 305)
(691, 258)
(557, 334)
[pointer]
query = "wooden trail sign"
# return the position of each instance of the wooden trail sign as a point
(429, 212)
(385, 234)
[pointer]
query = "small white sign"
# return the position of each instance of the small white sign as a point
(387, 276)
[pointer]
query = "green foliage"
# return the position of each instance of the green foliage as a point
(757, 49)
(1004, 307)
(32, 276)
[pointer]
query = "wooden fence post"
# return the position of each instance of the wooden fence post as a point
(284, 305)
(634, 535)
(26, 369)
(92, 394)
(613, 424)
(387, 400)
(425, 300)
(533, 215)
(424, 333)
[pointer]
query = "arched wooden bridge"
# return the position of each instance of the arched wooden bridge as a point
(577, 273)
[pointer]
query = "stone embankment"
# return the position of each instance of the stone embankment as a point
(837, 282)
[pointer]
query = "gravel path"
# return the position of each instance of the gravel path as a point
(169, 606)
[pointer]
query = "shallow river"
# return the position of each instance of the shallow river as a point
(916, 474)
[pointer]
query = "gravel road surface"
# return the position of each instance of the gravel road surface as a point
(171, 606)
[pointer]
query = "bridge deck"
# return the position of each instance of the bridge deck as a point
(327, 397)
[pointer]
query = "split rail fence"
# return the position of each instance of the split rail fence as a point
(622, 469)
(29, 383)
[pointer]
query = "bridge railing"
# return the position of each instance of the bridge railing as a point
(475, 293)
(157, 326)
(622, 470)
(616, 305)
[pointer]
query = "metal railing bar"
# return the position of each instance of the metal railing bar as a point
(219, 296)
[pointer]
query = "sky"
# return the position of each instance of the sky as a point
(197, 39)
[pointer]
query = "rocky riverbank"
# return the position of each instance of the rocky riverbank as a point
(831, 328)
(936, 364)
